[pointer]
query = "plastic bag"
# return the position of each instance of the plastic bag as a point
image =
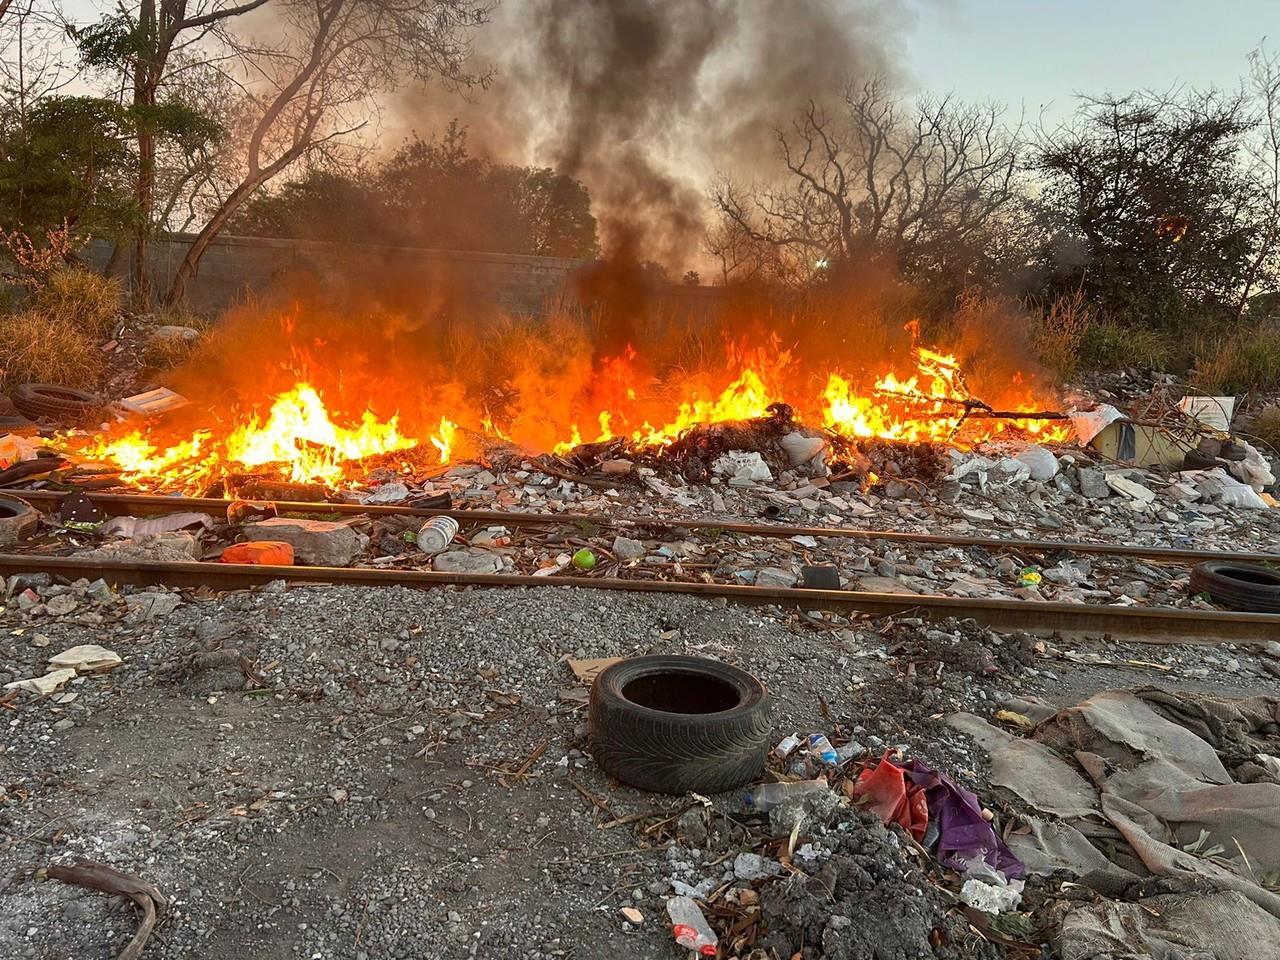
(1216, 487)
(1042, 464)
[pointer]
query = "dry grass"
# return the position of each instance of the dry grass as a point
(1248, 361)
(81, 297)
(1266, 427)
(1108, 346)
(166, 353)
(36, 347)
(1058, 337)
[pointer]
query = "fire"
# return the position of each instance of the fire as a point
(300, 438)
(297, 440)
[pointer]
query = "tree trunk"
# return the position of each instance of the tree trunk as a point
(191, 261)
(145, 80)
(143, 193)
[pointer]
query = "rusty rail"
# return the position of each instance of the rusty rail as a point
(151, 504)
(1146, 624)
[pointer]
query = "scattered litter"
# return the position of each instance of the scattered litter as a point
(690, 926)
(992, 897)
(587, 670)
(263, 553)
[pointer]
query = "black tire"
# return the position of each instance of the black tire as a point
(1240, 586)
(675, 724)
(18, 519)
(37, 400)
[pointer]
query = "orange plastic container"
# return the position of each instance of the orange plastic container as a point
(268, 553)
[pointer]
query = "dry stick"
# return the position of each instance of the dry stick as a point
(543, 467)
(100, 877)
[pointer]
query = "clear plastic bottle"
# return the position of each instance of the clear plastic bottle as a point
(820, 747)
(690, 926)
(768, 795)
(436, 534)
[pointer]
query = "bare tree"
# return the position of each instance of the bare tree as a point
(1262, 156)
(311, 86)
(33, 61)
(141, 43)
(919, 181)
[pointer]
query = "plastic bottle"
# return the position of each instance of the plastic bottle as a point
(769, 795)
(436, 534)
(820, 747)
(690, 926)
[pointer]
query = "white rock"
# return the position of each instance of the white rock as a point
(471, 560)
(624, 548)
(52, 681)
(322, 543)
(86, 658)
(1135, 491)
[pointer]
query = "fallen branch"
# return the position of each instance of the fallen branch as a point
(100, 877)
(540, 464)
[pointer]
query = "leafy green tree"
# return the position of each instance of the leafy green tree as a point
(71, 162)
(1149, 208)
(433, 193)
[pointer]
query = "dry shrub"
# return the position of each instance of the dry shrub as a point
(1108, 345)
(81, 297)
(1248, 361)
(36, 347)
(165, 353)
(1266, 427)
(1058, 337)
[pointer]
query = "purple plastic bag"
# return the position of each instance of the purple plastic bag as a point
(964, 837)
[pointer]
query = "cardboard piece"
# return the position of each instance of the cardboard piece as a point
(1215, 412)
(587, 670)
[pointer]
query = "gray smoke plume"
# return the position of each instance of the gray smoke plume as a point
(646, 100)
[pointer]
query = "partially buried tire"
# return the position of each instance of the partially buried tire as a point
(18, 519)
(36, 400)
(675, 724)
(1240, 586)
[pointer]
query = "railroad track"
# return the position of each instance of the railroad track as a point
(1149, 624)
(1072, 620)
(122, 504)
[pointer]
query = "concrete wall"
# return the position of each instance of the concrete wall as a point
(236, 267)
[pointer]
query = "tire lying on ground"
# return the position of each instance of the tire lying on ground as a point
(18, 519)
(36, 400)
(674, 724)
(1240, 586)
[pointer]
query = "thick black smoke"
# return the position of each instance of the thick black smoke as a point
(645, 100)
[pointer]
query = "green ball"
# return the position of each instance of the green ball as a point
(584, 559)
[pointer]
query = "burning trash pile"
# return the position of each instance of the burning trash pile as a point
(319, 402)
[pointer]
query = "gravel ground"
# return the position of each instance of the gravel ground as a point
(362, 803)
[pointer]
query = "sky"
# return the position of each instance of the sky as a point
(1040, 53)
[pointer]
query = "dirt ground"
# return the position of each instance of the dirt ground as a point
(375, 798)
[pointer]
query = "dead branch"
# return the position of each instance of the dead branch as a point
(105, 879)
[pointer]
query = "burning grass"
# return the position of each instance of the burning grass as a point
(310, 389)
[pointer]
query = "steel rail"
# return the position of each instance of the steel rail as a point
(117, 504)
(1147, 624)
